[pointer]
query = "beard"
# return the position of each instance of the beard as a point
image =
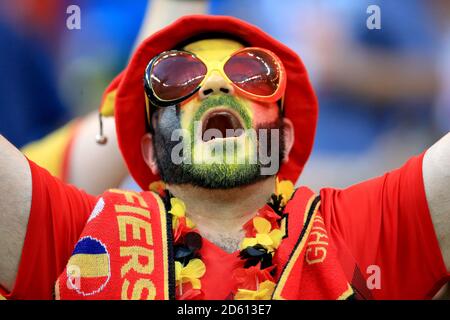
(221, 175)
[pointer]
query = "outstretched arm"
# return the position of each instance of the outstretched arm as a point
(436, 176)
(385, 222)
(15, 202)
(41, 219)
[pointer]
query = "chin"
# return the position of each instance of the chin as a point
(224, 176)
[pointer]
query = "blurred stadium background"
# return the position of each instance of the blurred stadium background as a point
(384, 94)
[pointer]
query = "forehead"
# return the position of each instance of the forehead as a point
(213, 49)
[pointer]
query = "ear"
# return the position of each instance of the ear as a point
(148, 153)
(288, 138)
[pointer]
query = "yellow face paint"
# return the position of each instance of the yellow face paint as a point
(219, 162)
(213, 51)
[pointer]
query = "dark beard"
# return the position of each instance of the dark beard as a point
(211, 176)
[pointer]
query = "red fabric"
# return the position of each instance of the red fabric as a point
(217, 282)
(300, 102)
(386, 222)
(58, 215)
(110, 235)
(383, 221)
(309, 267)
(299, 202)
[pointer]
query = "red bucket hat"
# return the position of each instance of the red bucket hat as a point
(125, 95)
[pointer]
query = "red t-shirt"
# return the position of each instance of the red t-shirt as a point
(383, 222)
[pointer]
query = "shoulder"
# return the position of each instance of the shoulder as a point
(300, 196)
(302, 201)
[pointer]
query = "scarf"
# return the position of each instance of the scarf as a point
(125, 252)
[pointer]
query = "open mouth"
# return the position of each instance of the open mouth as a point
(221, 120)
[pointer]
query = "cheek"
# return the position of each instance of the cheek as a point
(264, 112)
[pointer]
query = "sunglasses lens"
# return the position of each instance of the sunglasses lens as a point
(175, 75)
(254, 71)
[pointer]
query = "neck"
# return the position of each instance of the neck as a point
(220, 214)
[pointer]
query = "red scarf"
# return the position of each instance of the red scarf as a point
(124, 252)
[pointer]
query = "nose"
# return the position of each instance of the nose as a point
(215, 84)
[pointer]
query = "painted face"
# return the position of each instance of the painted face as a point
(218, 137)
(212, 52)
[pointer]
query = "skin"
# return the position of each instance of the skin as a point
(85, 173)
(436, 176)
(15, 203)
(232, 207)
(16, 190)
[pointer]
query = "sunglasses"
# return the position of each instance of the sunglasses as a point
(174, 76)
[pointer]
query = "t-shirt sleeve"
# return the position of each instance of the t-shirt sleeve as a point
(385, 223)
(57, 216)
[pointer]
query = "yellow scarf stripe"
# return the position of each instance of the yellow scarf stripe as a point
(165, 250)
(347, 293)
(287, 271)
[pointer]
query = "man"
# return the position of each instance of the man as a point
(210, 234)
